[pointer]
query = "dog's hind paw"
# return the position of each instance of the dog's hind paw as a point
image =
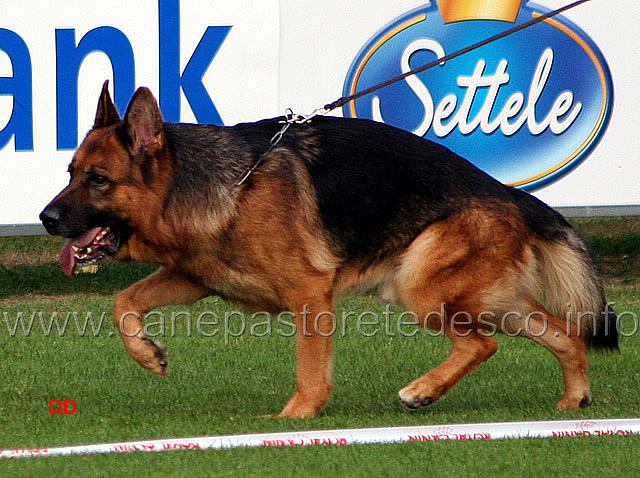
(416, 402)
(571, 404)
(414, 399)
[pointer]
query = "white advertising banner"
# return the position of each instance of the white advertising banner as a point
(207, 61)
(550, 109)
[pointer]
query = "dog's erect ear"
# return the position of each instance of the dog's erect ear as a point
(106, 114)
(144, 122)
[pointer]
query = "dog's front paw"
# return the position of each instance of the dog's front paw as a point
(151, 355)
(302, 405)
(159, 365)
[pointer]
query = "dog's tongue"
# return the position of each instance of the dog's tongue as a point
(68, 255)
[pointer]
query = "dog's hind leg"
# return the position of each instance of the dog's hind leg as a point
(164, 287)
(470, 348)
(446, 277)
(566, 342)
(451, 309)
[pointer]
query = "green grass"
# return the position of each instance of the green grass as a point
(228, 385)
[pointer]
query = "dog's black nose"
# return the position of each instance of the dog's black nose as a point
(50, 218)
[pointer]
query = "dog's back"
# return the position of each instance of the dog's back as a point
(378, 187)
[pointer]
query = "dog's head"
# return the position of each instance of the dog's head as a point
(111, 175)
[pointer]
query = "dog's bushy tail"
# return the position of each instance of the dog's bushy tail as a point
(571, 284)
(567, 274)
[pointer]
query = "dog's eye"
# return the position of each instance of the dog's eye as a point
(98, 180)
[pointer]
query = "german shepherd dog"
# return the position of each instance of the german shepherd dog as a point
(337, 204)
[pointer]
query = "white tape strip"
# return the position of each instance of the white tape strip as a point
(476, 431)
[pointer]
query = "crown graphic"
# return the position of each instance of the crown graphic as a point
(460, 10)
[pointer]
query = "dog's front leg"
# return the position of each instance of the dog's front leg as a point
(315, 324)
(163, 287)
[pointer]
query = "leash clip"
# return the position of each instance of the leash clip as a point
(289, 118)
(292, 118)
(301, 119)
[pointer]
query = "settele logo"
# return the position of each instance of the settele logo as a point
(526, 109)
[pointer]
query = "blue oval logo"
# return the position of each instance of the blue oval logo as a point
(526, 109)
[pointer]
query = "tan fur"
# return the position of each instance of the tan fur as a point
(564, 274)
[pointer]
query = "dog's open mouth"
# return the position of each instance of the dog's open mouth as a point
(88, 248)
